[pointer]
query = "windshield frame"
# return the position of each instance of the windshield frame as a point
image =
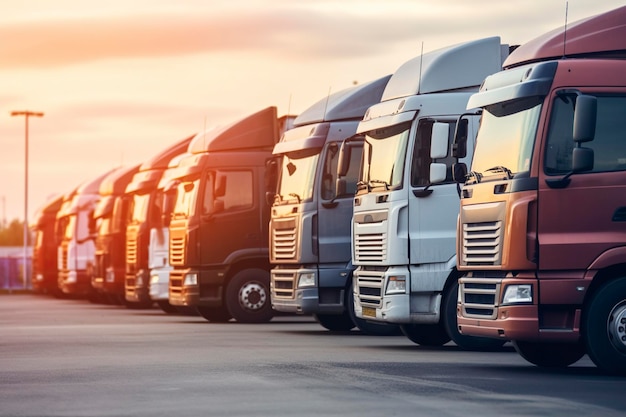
(385, 169)
(493, 145)
(298, 185)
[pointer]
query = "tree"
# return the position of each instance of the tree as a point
(13, 234)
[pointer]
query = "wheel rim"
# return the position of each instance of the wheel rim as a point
(616, 326)
(252, 296)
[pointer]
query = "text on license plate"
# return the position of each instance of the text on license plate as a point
(369, 312)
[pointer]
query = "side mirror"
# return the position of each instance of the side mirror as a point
(582, 159)
(437, 173)
(459, 147)
(343, 164)
(585, 115)
(340, 187)
(220, 186)
(439, 141)
(459, 172)
(218, 206)
(269, 198)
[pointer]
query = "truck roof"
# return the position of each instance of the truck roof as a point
(116, 181)
(602, 35)
(162, 159)
(258, 130)
(451, 68)
(48, 210)
(349, 103)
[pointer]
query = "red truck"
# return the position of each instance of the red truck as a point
(541, 239)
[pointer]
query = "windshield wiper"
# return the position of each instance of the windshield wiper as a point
(499, 169)
(385, 183)
(296, 196)
(361, 185)
(475, 176)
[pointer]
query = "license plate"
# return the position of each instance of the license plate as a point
(369, 312)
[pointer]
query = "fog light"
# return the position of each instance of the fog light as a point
(518, 293)
(190, 279)
(396, 284)
(71, 276)
(306, 280)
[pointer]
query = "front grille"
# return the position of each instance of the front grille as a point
(64, 256)
(284, 238)
(177, 250)
(370, 247)
(482, 243)
(176, 282)
(131, 251)
(370, 287)
(284, 284)
(479, 297)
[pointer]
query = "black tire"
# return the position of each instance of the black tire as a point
(463, 341)
(426, 334)
(604, 327)
(167, 307)
(248, 296)
(550, 355)
(335, 322)
(368, 327)
(214, 314)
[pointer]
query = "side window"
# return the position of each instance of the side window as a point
(420, 163)
(238, 191)
(609, 144)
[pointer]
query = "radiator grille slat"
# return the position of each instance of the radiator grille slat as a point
(482, 243)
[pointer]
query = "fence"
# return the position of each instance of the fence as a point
(12, 271)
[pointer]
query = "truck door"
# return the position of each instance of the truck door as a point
(432, 216)
(579, 222)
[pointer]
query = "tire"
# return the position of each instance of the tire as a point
(604, 327)
(214, 314)
(167, 307)
(550, 355)
(335, 322)
(368, 327)
(248, 296)
(463, 341)
(426, 334)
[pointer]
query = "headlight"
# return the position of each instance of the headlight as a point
(71, 276)
(154, 279)
(110, 275)
(139, 278)
(521, 293)
(190, 279)
(396, 284)
(306, 280)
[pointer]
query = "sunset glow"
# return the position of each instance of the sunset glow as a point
(119, 81)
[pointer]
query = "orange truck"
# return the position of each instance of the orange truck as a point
(541, 237)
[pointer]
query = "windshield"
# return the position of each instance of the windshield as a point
(506, 136)
(186, 198)
(140, 206)
(384, 154)
(296, 178)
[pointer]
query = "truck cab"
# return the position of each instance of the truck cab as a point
(218, 245)
(407, 201)
(541, 232)
(45, 266)
(310, 233)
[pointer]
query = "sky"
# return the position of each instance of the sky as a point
(119, 81)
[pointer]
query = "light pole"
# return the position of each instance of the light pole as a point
(26, 115)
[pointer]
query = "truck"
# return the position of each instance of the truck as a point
(542, 224)
(76, 243)
(45, 272)
(109, 226)
(147, 237)
(310, 235)
(406, 202)
(218, 230)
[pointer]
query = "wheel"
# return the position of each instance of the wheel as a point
(426, 334)
(368, 327)
(335, 322)
(248, 296)
(214, 314)
(465, 342)
(604, 327)
(550, 355)
(167, 307)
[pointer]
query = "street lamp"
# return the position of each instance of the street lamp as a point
(26, 115)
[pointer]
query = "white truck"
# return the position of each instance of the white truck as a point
(407, 203)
